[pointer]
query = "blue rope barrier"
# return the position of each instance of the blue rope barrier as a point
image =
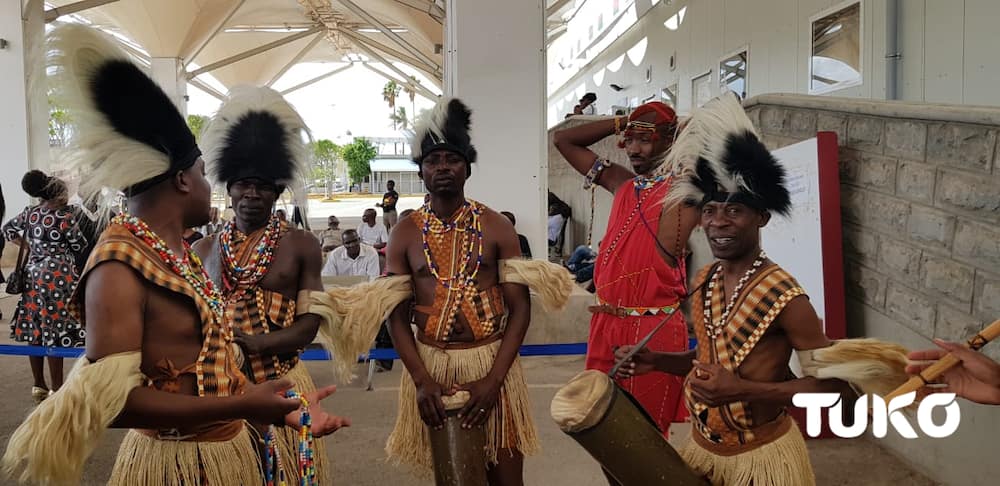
(561, 349)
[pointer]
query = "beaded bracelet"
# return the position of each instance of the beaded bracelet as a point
(595, 171)
(306, 459)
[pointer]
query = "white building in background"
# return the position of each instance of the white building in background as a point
(393, 163)
(684, 52)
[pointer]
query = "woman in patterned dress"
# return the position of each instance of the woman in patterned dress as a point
(54, 239)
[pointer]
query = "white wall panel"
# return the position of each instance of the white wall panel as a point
(944, 31)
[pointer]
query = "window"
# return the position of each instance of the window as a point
(733, 74)
(701, 89)
(836, 50)
(668, 95)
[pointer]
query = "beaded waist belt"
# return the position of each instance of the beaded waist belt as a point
(615, 310)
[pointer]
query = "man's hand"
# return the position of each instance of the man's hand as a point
(639, 364)
(429, 403)
(323, 423)
(714, 385)
(483, 396)
(245, 341)
(266, 403)
(976, 377)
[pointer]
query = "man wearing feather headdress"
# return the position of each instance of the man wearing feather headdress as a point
(639, 275)
(255, 145)
(159, 356)
(749, 315)
(470, 306)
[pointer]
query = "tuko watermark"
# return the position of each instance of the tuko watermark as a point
(882, 414)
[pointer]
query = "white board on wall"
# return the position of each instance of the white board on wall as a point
(807, 242)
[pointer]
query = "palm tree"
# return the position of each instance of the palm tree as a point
(389, 93)
(399, 120)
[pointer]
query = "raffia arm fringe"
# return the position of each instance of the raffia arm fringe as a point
(59, 435)
(351, 317)
(509, 425)
(145, 460)
(288, 437)
(876, 367)
(552, 282)
(784, 462)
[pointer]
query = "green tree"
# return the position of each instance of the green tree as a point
(359, 155)
(399, 120)
(389, 93)
(326, 158)
(59, 128)
(197, 123)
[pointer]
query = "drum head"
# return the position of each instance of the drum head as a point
(583, 402)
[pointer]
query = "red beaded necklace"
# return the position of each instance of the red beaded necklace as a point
(260, 262)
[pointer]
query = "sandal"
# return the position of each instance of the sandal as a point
(38, 394)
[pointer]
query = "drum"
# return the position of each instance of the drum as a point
(459, 454)
(614, 429)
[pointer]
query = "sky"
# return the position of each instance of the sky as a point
(350, 101)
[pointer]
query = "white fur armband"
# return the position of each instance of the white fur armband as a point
(873, 366)
(351, 317)
(552, 282)
(53, 443)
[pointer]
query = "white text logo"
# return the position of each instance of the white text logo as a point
(882, 414)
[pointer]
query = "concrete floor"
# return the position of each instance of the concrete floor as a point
(357, 452)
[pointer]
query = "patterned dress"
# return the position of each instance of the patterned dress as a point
(55, 240)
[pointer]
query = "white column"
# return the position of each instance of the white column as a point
(23, 124)
(167, 72)
(495, 62)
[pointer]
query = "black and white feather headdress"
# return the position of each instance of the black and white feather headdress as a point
(126, 132)
(445, 127)
(718, 156)
(256, 134)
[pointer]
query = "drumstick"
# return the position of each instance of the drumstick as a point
(946, 362)
(640, 345)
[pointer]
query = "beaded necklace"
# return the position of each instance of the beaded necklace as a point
(466, 225)
(306, 459)
(182, 266)
(715, 328)
(642, 184)
(198, 280)
(260, 262)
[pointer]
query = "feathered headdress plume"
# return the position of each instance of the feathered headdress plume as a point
(445, 127)
(126, 132)
(256, 133)
(718, 156)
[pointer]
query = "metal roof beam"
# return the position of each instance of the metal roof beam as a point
(413, 83)
(396, 38)
(431, 9)
(433, 69)
(295, 60)
(56, 12)
(189, 58)
(253, 52)
(317, 79)
(406, 82)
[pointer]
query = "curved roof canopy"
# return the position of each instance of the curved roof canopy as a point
(258, 41)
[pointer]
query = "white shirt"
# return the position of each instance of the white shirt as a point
(338, 263)
(555, 226)
(373, 234)
(590, 110)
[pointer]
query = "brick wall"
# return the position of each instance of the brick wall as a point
(920, 207)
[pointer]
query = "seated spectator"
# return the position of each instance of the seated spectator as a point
(353, 258)
(331, 237)
(556, 221)
(372, 233)
(525, 247)
(581, 263)
(281, 215)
